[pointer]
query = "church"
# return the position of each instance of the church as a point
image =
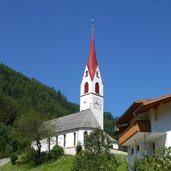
(72, 129)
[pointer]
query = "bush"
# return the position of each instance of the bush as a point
(159, 160)
(78, 148)
(96, 154)
(32, 157)
(13, 158)
(78, 163)
(21, 159)
(56, 152)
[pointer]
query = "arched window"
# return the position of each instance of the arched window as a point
(86, 74)
(97, 88)
(49, 144)
(86, 87)
(74, 138)
(57, 140)
(85, 135)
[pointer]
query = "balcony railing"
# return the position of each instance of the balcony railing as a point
(137, 126)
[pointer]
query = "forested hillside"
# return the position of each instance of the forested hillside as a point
(20, 94)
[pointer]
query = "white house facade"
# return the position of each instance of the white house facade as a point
(146, 126)
(72, 129)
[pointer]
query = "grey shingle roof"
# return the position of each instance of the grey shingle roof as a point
(83, 119)
(112, 139)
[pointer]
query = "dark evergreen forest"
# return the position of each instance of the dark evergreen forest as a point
(20, 94)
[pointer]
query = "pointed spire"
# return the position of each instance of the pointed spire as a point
(92, 61)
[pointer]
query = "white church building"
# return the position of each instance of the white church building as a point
(73, 128)
(146, 126)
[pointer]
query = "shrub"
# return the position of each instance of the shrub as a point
(13, 158)
(78, 148)
(21, 159)
(78, 163)
(96, 154)
(32, 157)
(159, 160)
(56, 152)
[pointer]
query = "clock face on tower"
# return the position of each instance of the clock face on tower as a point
(97, 103)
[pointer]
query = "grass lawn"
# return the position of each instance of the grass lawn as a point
(122, 167)
(64, 164)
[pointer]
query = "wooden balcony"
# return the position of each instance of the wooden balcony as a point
(137, 126)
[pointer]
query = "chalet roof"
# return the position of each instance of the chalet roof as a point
(83, 119)
(92, 61)
(141, 106)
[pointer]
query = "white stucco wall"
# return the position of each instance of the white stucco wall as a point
(69, 147)
(162, 124)
(115, 146)
(143, 146)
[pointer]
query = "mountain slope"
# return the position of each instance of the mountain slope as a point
(19, 94)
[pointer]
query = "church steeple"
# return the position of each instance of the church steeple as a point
(92, 61)
(91, 89)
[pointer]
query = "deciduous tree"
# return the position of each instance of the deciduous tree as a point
(96, 154)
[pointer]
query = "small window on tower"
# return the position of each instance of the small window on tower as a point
(86, 74)
(97, 88)
(86, 88)
(97, 74)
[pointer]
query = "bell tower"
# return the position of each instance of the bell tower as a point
(91, 93)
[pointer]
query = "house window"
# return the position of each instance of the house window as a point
(132, 151)
(85, 135)
(97, 88)
(74, 138)
(64, 140)
(138, 148)
(86, 88)
(154, 146)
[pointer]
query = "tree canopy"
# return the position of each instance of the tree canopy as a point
(96, 154)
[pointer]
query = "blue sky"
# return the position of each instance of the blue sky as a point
(50, 39)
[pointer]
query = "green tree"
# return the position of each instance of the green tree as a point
(30, 128)
(96, 154)
(109, 123)
(159, 160)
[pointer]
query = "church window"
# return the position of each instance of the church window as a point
(56, 140)
(86, 74)
(49, 144)
(85, 135)
(86, 88)
(97, 74)
(97, 88)
(74, 138)
(64, 140)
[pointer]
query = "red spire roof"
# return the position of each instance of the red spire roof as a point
(92, 61)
